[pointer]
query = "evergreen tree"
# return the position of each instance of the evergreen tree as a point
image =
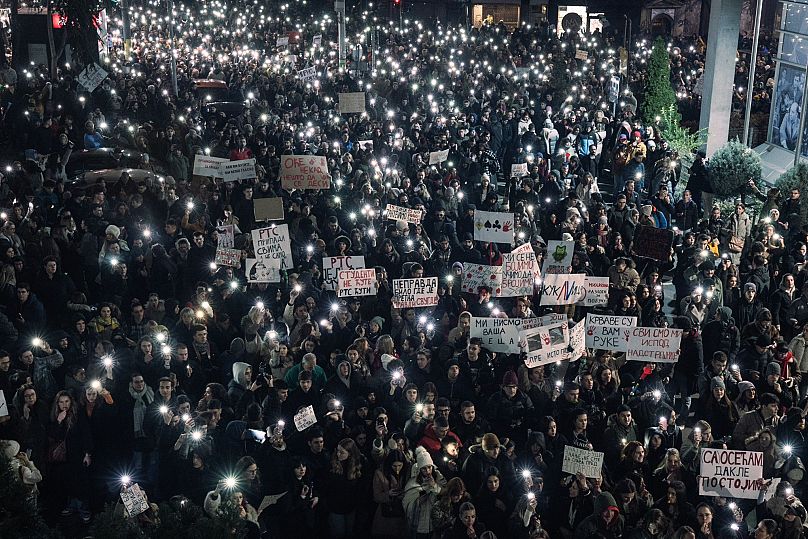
(658, 91)
(731, 167)
(19, 516)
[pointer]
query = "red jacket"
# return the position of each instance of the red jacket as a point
(430, 440)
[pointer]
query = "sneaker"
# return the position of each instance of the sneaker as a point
(85, 516)
(67, 511)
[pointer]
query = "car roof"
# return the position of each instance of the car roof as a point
(114, 174)
(210, 83)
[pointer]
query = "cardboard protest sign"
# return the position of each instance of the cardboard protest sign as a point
(268, 209)
(581, 54)
(91, 76)
(282, 42)
(545, 344)
(608, 332)
(438, 157)
(3, 404)
(659, 345)
(366, 145)
(305, 172)
(576, 460)
(272, 499)
(418, 292)
(731, 474)
(305, 418)
(310, 73)
(358, 282)
(561, 289)
(272, 243)
(497, 334)
(210, 167)
(228, 257)
(577, 345)
(493, 226)
(351, 102)
(237, 170)
(652, 242)
(596, 291)
(520, 269)
(133, 500)
(259, 271)
(559, 257)
(318, 39)
(400, 213)
(332, 265)
(477, 275)
(226, 236)
(518, 170)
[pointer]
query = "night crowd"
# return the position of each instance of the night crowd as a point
(128, 356)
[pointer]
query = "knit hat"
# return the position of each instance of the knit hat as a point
(725, 312)
(378, 320)
(773, 368)
(490, 441)
(422, 458)
(750, 286)
(627, 380)
(717, 382)
(510, 379)
(114, 230)
(645, 209)
(11, 448)
(745, 385)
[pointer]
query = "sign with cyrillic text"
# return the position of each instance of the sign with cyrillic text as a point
(657, 345)
(520, 269)
(310, 73)
(358, 282)
(305, 418)
(562, 289)
(332, 265)
(576, 460)
(238, 170)
(608, 332)
(730, 474)
(272, 243)
(134, 500)
(418, 292)
(559, 256)
(400, 213)
(596, 291)
(210, 167)
(268, 209)
(352, 102)
(228, 257)
(438, 157)
(305, 172)
(518, 170)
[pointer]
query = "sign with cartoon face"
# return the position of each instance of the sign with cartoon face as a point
(559, 257)
(260, 271)
(493, 226)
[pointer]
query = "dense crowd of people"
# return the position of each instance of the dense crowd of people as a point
(130, 357)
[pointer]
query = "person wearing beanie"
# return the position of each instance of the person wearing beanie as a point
(421, 493)
(489, 453)
(719, 367)
(605, 520)
(747, 397)
(717, 409)
(509, 409)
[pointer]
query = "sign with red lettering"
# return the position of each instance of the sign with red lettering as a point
(358, 282)
(418, 292)
(305, 172)
(730, 474)
(656, 345)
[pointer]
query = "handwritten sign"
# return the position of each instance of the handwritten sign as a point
(657, 345)
(210, 167)
(260, 271)
(366, 145)
(520, 269)
(352, 102)
(91, 76)
(272, 243)
(418, 292)
(3, 404)
(228, 257)
(576, 460)
(596, 291)
(305, 418)
(226, 236)
(358, 282)
(581, 54)
(561, 289)
(730, 474)
(608, 332)
(318, 39)
(559, 257)
(268, 209)
(238, 170)
(310, 73)
(519, 170)
(476, 276)
(438, 157)
(400, 213)
(134, 500)
(332, 265)
(305, 172)
(545, 344)
(282, 42)
(493, 226)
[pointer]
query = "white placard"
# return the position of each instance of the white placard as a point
(366, 145)
(438, 157)
(730, 474)
(657, 345)
(417, 292)
(304, 172)
(559, 257)
(497, 334)
(210, 167)
(332, 265)
(310, 73)
(228, 257)
(351, 102)
(577, 340)
(91, 77)
(545, 344)
(608, 332)
(477, 275)
(358, 282)
(520, 269)
(305, 418)
(400, 213)
(226, 236)
(576, 460)
(272, 243)
(260, 271)
(282, 42)
(318, 39)
(519, 170)
(3, 404)
(560, 289)
(581, 54)
(133, 500)
(596, 291)
(238, 170)
(493, 226)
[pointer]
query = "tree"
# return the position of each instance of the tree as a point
(19, 516)
(681, 140)
(658, 91)
(795, 177)
(731, 168)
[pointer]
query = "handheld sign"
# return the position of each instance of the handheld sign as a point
(134, 500)
(493, 226)
(305, 172)
(352, 102)
(210, 167)
(358, 282)
(657, 345)
(730, 474)
(272, 243)
(332, 265)
(478, 275)
(261, 271)
(608, 332)
(576, 460)
(305, 418)
(228, 257)
(520, 269)
(418, 292)
(400, 213)
(562, 289)
(238, 170)
(438, 157)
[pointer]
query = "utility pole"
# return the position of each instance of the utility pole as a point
(171, 44)
(753, 64)
(127, 31)
(339, 7)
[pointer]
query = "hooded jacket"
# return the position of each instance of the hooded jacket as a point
(238, 385)
(595, 526)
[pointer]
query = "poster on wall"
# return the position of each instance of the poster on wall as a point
(785, 113)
